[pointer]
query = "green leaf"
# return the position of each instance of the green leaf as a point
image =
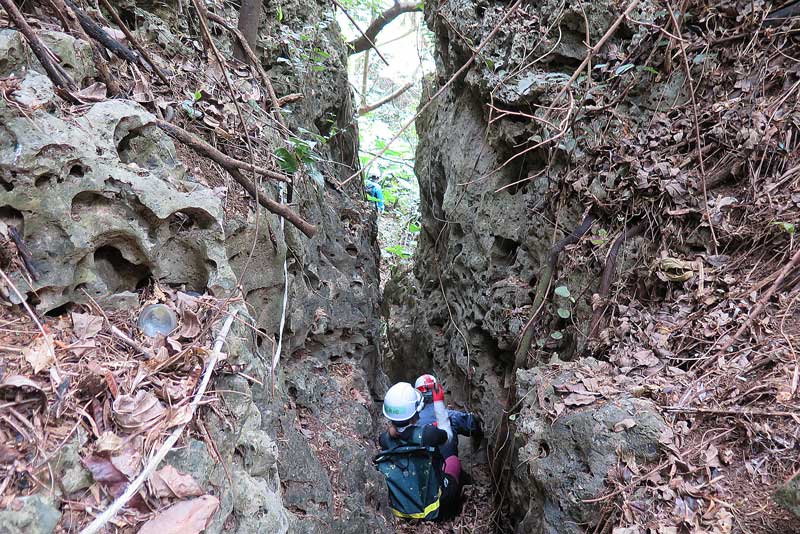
(541, 342)
(399, 251)
(562, 291)
(287, 161)
(563, 313)
(557, 334)
(789, 228)
(280, 14)
(651, 70)
(414, 228)
(197, 95)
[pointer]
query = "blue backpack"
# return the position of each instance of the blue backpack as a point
(411, 477)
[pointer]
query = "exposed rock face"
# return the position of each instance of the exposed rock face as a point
(489, 222)
(100, 217)
(105, 205)
(562, 463)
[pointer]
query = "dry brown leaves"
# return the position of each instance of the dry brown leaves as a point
(124, 403)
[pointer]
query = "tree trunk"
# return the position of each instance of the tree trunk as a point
(249, 19)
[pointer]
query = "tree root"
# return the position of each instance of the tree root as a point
(234, 168)
(608, 273)
(542, 288)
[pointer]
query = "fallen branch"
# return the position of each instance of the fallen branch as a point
(372, 107)
(757, 309)
(288, 99)
(25, 254)
(542, 288)
(96, 32)
(368, 36)
(152, 465)
(608, 273)
(205, 149)
(56, 74)
(72, 23)
(233, 167)
(131, 39)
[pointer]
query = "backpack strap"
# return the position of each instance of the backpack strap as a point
(400, 449)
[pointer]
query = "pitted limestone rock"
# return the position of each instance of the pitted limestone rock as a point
(75, 56)
(561, 463)
(100, 215)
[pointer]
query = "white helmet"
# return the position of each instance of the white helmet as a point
(402, 402)
(425, 383)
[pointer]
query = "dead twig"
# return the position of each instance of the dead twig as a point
(251, 56)
(564, 90)
(122, 336)
(364, 35)
(593, 50)
(372, 107)
(698, 139)
(48, 341)
(743, 413)
(757, 309)
(155, 460)
(131, 39)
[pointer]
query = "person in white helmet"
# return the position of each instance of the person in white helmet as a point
(462, 423)
(422, 482)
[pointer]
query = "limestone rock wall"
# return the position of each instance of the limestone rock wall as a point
(489, 220)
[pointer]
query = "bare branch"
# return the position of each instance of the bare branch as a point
(372, 107)
(367, 39)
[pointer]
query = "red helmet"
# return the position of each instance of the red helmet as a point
(425, 383)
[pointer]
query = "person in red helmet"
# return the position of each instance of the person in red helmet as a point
(462, 423)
